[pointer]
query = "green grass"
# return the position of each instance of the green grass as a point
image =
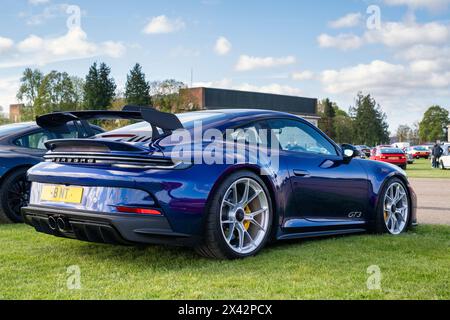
(422, 169)
(414, 266)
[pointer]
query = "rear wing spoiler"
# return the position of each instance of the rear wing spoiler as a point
(57, 121)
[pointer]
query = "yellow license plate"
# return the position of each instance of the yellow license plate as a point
(62, 194)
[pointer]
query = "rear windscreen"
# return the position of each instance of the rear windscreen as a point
(391, 151)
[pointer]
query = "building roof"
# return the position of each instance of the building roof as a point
(234, 99)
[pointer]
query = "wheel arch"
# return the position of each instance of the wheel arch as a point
(12, 170)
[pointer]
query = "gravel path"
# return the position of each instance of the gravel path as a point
(433, 200)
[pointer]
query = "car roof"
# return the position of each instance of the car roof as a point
(22, 127)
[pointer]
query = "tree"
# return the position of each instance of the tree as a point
(370, 125)
(404, 133)
(99, 88)
(166, 95)
(414, 138)
(28, 91)
(78, 89)
(326, 122)
(30, 82)
(137, 89)
(56, 93)
(343, 126)
(432, 127)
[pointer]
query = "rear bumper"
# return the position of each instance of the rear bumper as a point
(395, 162)
(106, 228)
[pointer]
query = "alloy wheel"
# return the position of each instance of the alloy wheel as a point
(396, 208)
(245, 216)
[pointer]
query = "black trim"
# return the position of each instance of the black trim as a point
(166, 121)
(119, 229)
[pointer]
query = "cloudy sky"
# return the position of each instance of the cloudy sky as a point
(397, 50)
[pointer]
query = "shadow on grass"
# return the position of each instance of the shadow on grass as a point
(176, 258)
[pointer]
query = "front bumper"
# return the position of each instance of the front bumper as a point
(106, 227)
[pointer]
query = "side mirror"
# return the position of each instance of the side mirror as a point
(349, 152)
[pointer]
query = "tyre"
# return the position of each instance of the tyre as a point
(394, 211)
(404, 167)
(14, 194)
(239, 218)
(442, 165)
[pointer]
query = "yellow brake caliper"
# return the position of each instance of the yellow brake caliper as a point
(247, 223)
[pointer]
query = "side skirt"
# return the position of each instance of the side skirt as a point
(314, 234)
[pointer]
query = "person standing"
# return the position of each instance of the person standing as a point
(437, 154)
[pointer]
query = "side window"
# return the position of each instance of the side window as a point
(35, 140)
(72, 132)
(299, 137)
(250, 134)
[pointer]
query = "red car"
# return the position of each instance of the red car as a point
(390, 155)
(419, 152)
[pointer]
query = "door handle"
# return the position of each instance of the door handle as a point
(301, 173)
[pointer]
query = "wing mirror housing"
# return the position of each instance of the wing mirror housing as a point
(349, 152)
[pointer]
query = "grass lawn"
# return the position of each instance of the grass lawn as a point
(414, 266)
(422, 169)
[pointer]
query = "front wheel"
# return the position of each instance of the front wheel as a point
(394, 212)
(239, 219)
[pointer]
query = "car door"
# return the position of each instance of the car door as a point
(327, 188)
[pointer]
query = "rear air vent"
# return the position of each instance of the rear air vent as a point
(117, 161)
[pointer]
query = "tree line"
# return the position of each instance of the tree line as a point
(432, 128)
(364, 124)
(58, 91)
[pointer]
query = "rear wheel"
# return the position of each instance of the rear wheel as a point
(394, 212)
(239, 219)
(14, 194)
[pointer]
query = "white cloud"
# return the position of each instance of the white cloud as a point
(342, 41)
(397, 34)
(391, 34)
(38, 2)
(5, 44)
(8, 89)
(347, 21)
(223, 46)
(48, 12)
(415, 4)
(162, 24)
(112, 48)
(303, 75)
(73, 45)
(386, 79)
(247, 63)
(31, 43)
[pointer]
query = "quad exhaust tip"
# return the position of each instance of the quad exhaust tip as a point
(61, 224)
(52, 223)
